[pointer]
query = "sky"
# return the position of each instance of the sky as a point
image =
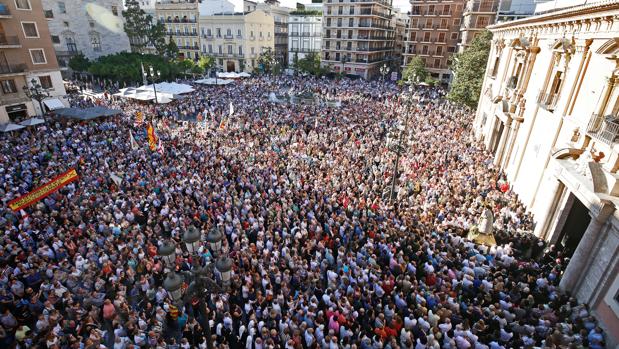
(403, 5)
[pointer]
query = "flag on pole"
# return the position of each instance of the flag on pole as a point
(160, 149)
(134, 144)
(231, 109)
(139, 118)
(152, 137)
(116, 179)
(222, 124)
(144, 82)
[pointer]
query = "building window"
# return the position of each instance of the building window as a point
(46, 81)
(23, 4)
(210, 48)
(219, 32)
(92, 24)
(495, 67)
(48, 13)
(229, 49)
(240, 50)
(454, 36)
(482, 22)
(30, 29)
(55, 39)
(229, 32)
(38, 56)
(66, 24)
(61, 7)
(95, 41)
(238, 33)
(8, 86)
(220, 50)
(437, 63)
(439, 50)
(350, 22)
(71, 46)
(208, 32)
(253, 51)
(115, 10)
(451, 49)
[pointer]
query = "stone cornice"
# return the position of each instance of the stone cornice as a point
(550, 19)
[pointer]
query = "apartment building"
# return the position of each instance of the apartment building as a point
(280, 20)
(181, 21)
(434, 34)
(237, 39)
(476, 16)
(401, 21)
(358, 36)
(304, 33)
(76, 29)
(26, 55)
(549, 111)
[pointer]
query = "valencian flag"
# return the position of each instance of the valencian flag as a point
(44, 190)
(152, 137)
(139, 118)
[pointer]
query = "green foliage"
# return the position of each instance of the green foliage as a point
(415, 70)
(310, 64)
(431, 81)
(267, 62)
(207, 63)
(171, 50)
(126, 67)
(140, 28)
(469, 68)
(306, 13)
(79, 63)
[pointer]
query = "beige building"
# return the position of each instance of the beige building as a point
(358, 37)
(549, 111)
(434, 34)
(280, 16)
(476, 16)
(26, 55)
(181, 21)
(236, 40)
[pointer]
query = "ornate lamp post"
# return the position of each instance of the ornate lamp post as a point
(398, 148)
(153, 76)
(36, 92)
(384, 70)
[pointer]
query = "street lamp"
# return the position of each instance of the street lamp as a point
(173, 285)
(36, 92)
(154, 76)
(384, 70)
(201, 277)
(398, 148)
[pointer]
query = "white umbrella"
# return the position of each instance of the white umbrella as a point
(32, 122)
(244, 75)
(10, 127)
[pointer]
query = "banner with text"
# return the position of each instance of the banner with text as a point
(43, 191)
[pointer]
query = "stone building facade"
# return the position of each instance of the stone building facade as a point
(93, 29)
(304, 35)
(236, 40)
(180, 18)
(549, 111)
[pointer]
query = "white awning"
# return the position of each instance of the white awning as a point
(53, 103)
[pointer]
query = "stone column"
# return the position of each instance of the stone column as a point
(510, 145)
(578, 263)
(502, 141)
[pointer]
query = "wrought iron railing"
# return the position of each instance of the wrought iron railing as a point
(604, 128)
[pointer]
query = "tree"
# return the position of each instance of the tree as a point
(142, 30)
(206, 63)
(79, 63)
(469, 70)
(415, 70)
(156, 37)
(137, 25)
(266, 61)
(310, 64)
(171, 50)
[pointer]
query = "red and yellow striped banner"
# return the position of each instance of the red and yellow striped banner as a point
(43, 191)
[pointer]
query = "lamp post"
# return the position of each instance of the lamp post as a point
(36, 92)
(154, 76)
(344, 60)
(384, 70)
(398, 148)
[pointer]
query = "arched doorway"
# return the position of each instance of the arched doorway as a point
(230, 66)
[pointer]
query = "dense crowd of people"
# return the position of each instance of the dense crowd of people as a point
(324, 255)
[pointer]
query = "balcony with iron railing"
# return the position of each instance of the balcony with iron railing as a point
(7, 41)
(548, 101)
(196, 48)
(9, 69)
(604, 128)
(228, 36)
(484, 6)
(4, 11)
